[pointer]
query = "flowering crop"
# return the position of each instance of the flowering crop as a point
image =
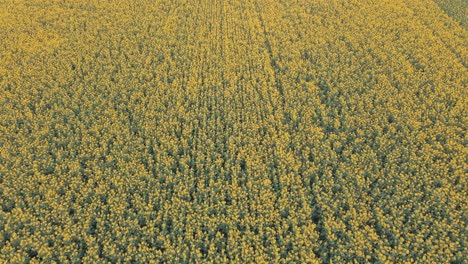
(245, 131)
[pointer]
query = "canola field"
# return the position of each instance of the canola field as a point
(233, 131)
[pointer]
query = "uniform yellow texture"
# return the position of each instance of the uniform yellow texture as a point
(243, 131)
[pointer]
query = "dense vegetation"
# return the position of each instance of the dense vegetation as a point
(457, 9)
(248, 131)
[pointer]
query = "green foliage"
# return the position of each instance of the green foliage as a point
(458, 9)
